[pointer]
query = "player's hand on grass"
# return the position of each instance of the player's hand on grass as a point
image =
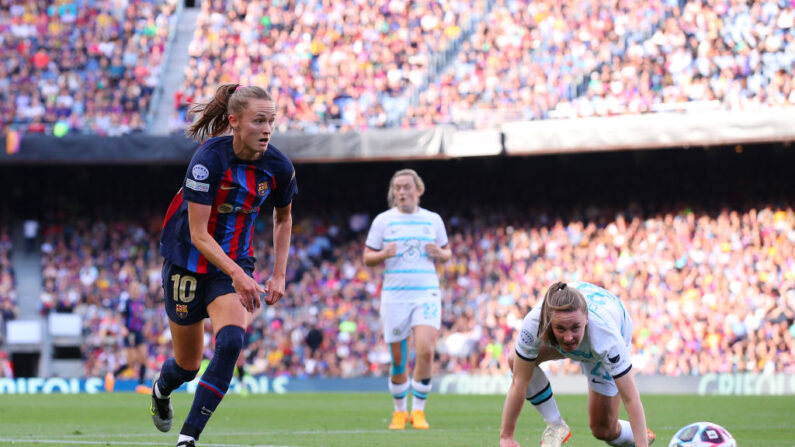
(508, 442)
(248, 290)
(274, 289)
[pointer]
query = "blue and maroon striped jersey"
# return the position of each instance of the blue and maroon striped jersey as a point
(235, 189)
(133, 311)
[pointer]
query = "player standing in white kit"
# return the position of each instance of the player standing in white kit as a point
(409, 240)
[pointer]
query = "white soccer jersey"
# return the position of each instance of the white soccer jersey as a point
(410, 274)
(607, 335)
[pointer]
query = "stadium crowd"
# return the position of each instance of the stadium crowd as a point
(91, 67)
(550, 59)
(8, 294)
(708, 290)
(80, 66)
(525, 60)
(331, 66)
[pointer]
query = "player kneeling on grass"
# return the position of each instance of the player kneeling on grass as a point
(586, 323)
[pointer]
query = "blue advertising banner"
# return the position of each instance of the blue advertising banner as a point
(720, 384)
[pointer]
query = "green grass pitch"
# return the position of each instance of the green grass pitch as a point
(358, 420)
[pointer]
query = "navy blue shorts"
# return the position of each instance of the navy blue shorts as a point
(189, 293)
(133, 339)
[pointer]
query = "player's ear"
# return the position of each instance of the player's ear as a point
(233, 121)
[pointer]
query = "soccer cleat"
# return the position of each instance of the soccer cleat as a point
(418, 420)
(399, 419)
(161, 410)
(555, 435)
(190, 443)
(142, 389)
(650, 436)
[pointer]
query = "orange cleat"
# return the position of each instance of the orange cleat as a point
(418, 420)
(143, 389)
(650, 436)
(399, 419)
(110, 382)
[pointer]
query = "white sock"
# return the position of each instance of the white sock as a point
(421, 391)
(625, 439)
(539, 393)
(400, 392)
(184, 438)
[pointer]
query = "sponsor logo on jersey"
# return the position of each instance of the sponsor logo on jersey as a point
(226, 208)
(200, 172)
(197, 186)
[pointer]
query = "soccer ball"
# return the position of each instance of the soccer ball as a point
(703, 434)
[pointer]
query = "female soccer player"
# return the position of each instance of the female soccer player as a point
(207, 246)
(131, 308)
(586, 323)
(409, 239)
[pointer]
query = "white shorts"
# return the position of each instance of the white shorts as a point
(399, 317)
(598, 379)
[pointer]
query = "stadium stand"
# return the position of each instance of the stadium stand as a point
(332, 67)
(525, 60)
(80, 67)
(338, 68)
(548, 59)
(709, 281)
(9, 307)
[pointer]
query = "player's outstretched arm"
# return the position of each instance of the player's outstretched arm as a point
(245, 286)
(631, 398)
(282, 229)
(522, 372)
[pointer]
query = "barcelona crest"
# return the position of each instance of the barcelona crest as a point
(182, 310)
(262, 189)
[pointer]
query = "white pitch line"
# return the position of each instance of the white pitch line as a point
(252, 433)
(64, 441)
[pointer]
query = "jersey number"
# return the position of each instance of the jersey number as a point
(599, 371)
(429, 310)
(184, 287)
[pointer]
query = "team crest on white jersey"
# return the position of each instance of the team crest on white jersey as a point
(526, 337)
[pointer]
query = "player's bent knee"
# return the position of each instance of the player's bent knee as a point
(230, 339)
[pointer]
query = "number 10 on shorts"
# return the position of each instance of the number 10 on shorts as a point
(184, 287)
